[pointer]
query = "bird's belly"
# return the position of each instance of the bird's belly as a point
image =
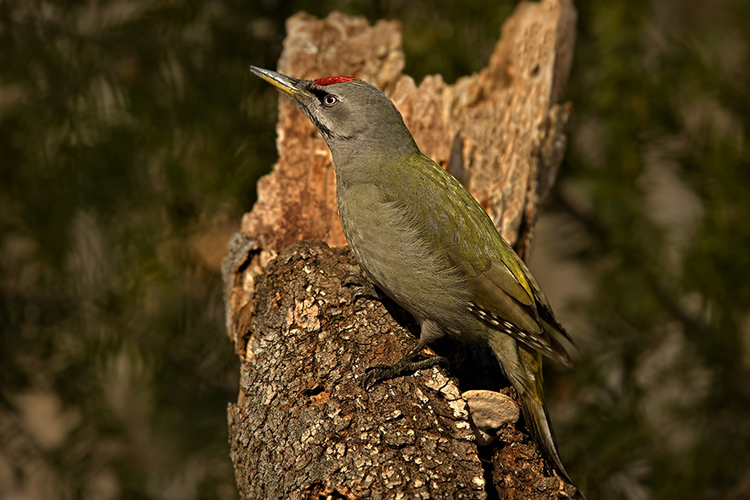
(394, 251)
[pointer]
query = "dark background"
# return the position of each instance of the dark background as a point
(131, 138)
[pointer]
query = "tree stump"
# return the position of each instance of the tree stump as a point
(303, 427)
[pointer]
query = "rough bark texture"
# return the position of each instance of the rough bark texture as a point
(302, 426)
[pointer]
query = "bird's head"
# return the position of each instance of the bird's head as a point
(353, 116)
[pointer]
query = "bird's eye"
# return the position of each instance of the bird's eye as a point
(330, 100)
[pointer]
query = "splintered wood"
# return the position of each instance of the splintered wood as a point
(504, 121)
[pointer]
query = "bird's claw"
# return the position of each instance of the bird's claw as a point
(376, 373)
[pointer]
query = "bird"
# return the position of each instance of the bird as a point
(423, 239)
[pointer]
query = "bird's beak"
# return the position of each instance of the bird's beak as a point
(287, 84)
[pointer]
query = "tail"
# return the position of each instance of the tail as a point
(523, 368)
(537, 421)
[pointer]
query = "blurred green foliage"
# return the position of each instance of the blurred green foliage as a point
(132, 138)
(660, 149)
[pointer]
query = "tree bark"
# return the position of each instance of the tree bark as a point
(303, 427)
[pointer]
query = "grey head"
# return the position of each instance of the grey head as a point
(359, 123)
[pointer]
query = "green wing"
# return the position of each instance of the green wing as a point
(506, 296)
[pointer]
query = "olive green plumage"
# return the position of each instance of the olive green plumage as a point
(426, 242)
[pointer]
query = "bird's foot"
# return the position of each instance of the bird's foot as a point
(361, 286)
(375, 374)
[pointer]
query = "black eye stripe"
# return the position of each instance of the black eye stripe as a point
(319, 93)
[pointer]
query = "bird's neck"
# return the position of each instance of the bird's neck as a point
(371, 160)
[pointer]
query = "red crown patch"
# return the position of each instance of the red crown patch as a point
(333, 79)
